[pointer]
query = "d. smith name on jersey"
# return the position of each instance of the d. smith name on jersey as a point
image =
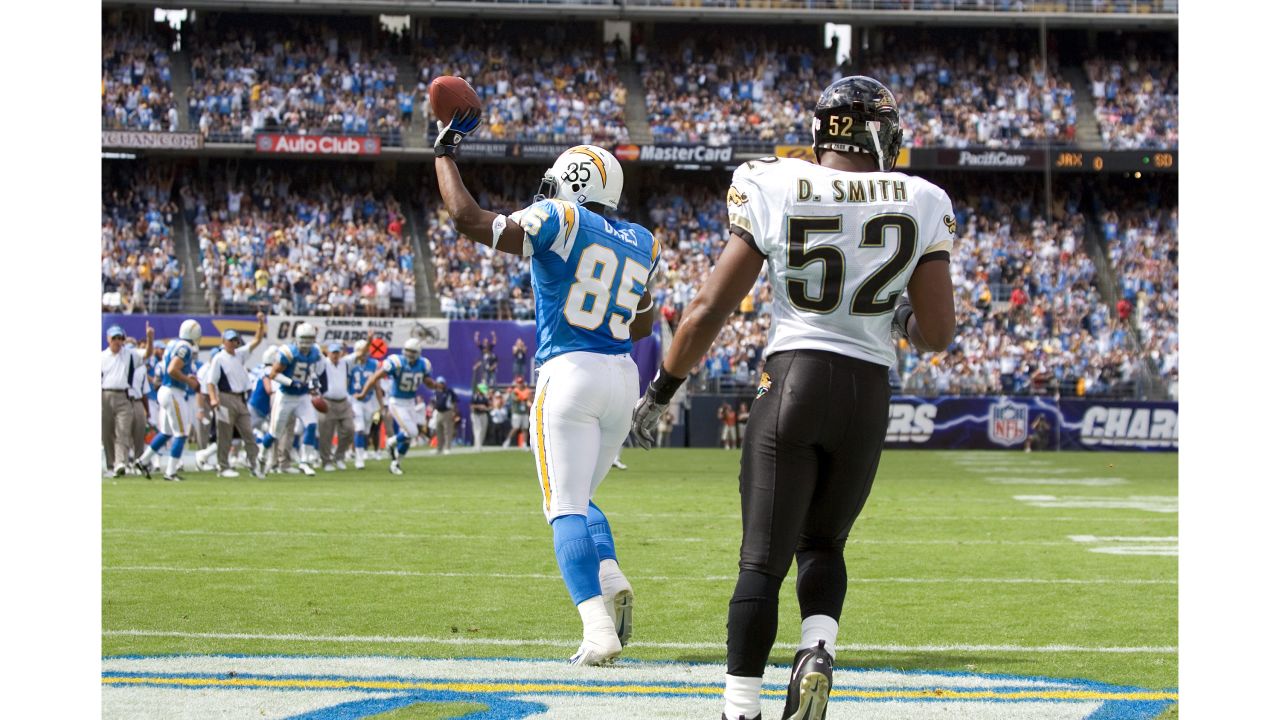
(840, 247)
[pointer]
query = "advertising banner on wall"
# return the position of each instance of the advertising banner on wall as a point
(1044, 423)
(139, 140)
(317, 144)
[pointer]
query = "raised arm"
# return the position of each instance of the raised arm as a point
(479, 225)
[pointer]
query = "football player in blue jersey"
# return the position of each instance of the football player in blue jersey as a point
(178, 387)
(363, 366)
(591, 275)
(293, 375)
(407, 372)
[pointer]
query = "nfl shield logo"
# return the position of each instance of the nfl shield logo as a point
(1007, 423)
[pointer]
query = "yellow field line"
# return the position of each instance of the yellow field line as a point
(545, 687)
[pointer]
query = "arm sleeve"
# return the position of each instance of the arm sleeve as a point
(940, 230)
(748, 212)
(546, 223)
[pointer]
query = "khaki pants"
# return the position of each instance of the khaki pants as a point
(139, 428)
(341, 418)
(203, 412)
(479, 427)
(233, 416)
(117, 426)
(444, 430)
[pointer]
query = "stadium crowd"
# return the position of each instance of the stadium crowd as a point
(738, 87)
(301, 240)
(301, 77)
(137, 84)
(1135, 100)
(140, 268)
(551, 88)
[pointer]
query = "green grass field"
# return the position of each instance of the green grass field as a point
(969, 562)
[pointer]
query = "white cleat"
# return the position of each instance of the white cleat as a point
(618, 464)
(341, 465)
(619, 603)
(601, 649)
(359, 464)
(229, 473)
(395, 468)
(258, 473)
(291, 470)
(173, 478)
(306, 469)
(329, 467)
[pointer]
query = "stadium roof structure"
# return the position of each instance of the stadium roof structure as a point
(1131, 15)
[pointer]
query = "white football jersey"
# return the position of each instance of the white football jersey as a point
(841, 247)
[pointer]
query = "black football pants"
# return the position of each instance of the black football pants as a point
(810, 454)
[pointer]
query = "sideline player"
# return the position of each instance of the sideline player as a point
(178, 385)
(363, 366)
(407, 371)
(293, 372)
(842, 238)
(591, 273)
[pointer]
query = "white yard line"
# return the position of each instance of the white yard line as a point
(356, 511)
(572, 643)
(657, 578)
(339, 534)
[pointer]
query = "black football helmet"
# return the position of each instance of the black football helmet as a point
(858, 114)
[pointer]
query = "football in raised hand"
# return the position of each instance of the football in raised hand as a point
(450, 95)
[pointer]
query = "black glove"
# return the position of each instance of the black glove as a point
(451, 135)
(901, 315)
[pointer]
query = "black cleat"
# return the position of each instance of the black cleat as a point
(740, 717)
(810, 684)
(144, 468)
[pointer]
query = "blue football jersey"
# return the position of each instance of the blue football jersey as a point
(407, 376)
(259, 400)
(178, 349)
(589, 275)
(360, 374)
(299, 367)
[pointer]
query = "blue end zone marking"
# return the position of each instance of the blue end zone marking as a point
(496, 708)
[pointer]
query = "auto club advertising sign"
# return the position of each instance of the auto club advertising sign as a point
(317, 144)
(1041, 423)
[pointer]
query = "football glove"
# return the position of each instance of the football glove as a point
(901, 316)
(451, 135)
(644, 419)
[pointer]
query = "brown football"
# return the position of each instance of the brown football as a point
(319, 403)
(450, 95)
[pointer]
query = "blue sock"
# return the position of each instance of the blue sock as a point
(402, 444)
(309, 436)
(157, 442)
(178, 444)
(296, 442)
(576, 554)
(267, 441)
(598, 524)
(361, 442)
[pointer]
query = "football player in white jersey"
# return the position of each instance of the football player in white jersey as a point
(842, 238)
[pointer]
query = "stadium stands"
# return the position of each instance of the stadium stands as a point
(547, 85)
(137, 89)
(140, 268)
(295, 75)
(1135, 100)
(302, 240)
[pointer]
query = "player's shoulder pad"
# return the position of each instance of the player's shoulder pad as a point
(533, 217)
(393, 362)
(182, 350)
(286, 352)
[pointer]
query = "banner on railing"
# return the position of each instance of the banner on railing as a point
(139, 140)
(318, 144)
(1039, 422)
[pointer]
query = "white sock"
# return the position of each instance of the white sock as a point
(819, 627)
(611, 577)
(147, 455)
(594, 615)
(172, 466)
(742, 696)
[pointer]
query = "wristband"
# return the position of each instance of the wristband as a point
(664, 386)
(283, 380)
(499, 224)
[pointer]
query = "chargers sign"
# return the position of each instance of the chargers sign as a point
(1007, 423)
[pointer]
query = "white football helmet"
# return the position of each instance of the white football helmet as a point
(583, 174)
(271, 356)
(190, 331)
(306, 335)
(412, 349)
